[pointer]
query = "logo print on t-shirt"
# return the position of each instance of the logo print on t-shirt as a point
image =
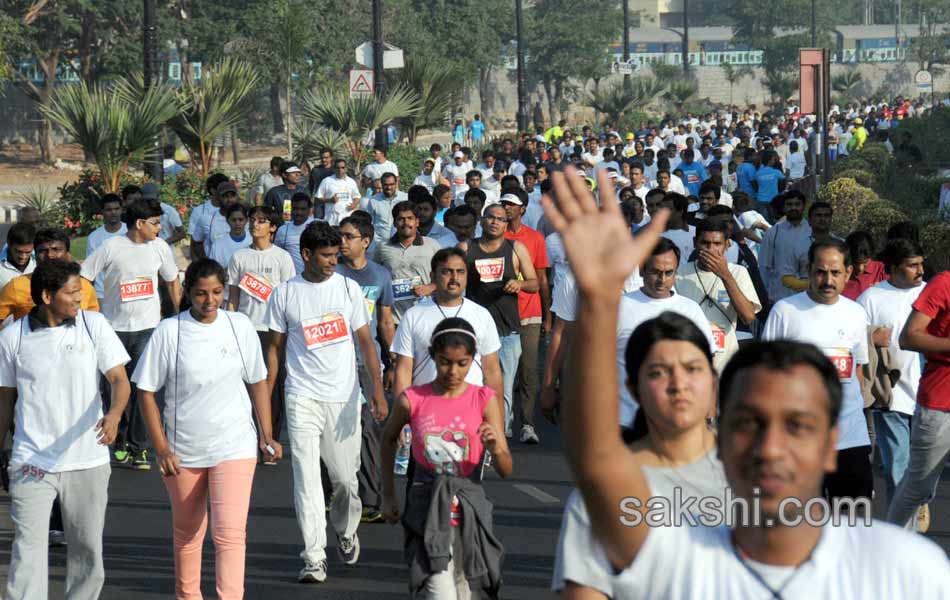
(447, 450)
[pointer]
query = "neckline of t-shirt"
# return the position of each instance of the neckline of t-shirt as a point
(190, 317)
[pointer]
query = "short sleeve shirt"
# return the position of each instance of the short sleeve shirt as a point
(256, 273)
(529, 305)
(377, 286)
(934, 302)
(319, 320)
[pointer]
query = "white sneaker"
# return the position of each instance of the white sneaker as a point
(349, 549)
(313, 572)
(528, 435)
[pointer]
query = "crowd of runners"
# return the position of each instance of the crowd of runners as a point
(671, 297)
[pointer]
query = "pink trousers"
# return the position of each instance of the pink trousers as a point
(229, 486)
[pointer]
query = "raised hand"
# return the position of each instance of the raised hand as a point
(599, 246)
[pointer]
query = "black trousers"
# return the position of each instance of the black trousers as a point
(854, 477)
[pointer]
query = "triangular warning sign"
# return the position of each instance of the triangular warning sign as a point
(361, 85)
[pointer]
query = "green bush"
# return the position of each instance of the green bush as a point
(409, 160)
(935, 238)
(865, 178)
(877, 217)
(848, 199)
(875, 154)
(929, 133)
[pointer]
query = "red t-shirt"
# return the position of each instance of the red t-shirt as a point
(529, 305)
(873, 274)
(934, 301)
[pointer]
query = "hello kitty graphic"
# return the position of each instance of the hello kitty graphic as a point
(447, 450)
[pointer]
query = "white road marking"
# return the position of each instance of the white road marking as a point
(537, 494)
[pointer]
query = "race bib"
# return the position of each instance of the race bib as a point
(402, 288)
(329, 329)
(692, 177)
(458, 181)
(843, 361)
(257, 287)
(490, 270)
(719, 337)
(139, 288)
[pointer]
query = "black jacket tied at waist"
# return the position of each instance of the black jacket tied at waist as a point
(428, 544)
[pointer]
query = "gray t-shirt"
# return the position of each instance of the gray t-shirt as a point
(409, 266)
(581, 558)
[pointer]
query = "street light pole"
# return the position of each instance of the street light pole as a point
(382, 138)
(686, 38)
(152, 166)
(626, 42)
(522, 115)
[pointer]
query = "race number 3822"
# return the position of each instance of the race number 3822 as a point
(329, 329)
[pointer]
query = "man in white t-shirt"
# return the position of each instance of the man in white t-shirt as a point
(340, 192)
(410, 349)
(778, 407)
(112, 226)
(838, 327)
(50, 362)
(723, 290)
(795, 165)
(288, 234)
(19, 259)
(454, 173)
(381, 164)
(173, 230)
(315, 320)
(888, 305)
(201, 215)
(132, 267)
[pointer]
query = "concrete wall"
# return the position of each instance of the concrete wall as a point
(895, 78)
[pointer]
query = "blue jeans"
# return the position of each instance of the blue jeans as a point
(509, 356)
(929, 451)
(893, 440)
(132, 430)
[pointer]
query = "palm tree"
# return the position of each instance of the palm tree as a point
(210, 107)
(310, 139)
(438, 84)
(117, 126)
(682, 90)
(613, 100)
(734, 75)
(847, 83)
(357, 118)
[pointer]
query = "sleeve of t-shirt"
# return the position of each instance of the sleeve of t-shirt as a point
(8, 299)
(274, 318)
(322, 191)
(7, 362)
(745, 286)
(564, 299)
(254, 368)
(278, 237)
(488, 340)
(580, 558)
(774, 326)
(234, 270)
(861, 335)
(92, 266)
(935, 299)
(151, 371)
(386, 293)
(169, 268)
(540, 253)
(287, 270)
(359, 315)
(195, 230)
(402, 342)
(174, 217)
(110, 352)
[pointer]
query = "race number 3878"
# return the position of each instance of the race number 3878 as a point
(329, 329)
(256, 286)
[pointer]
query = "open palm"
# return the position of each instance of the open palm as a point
(599, 246)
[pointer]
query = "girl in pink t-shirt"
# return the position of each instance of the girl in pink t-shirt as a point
(453, 422)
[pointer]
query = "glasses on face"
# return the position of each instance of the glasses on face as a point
(154, 222)
(350, 236)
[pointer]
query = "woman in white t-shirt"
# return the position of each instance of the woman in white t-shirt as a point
(207, 360)
(670, 372)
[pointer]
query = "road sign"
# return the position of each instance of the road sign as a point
(924, 81)
(392, 56)
(361, 83)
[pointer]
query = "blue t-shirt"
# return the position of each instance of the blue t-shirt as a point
(694, 174)
(745, 175)
(768, 179)
(478, 129)
(377, 286)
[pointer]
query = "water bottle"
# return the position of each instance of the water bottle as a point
(402, 452)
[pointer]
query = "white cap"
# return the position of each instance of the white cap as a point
(510, 198)
(292, 170)
(458, 154)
